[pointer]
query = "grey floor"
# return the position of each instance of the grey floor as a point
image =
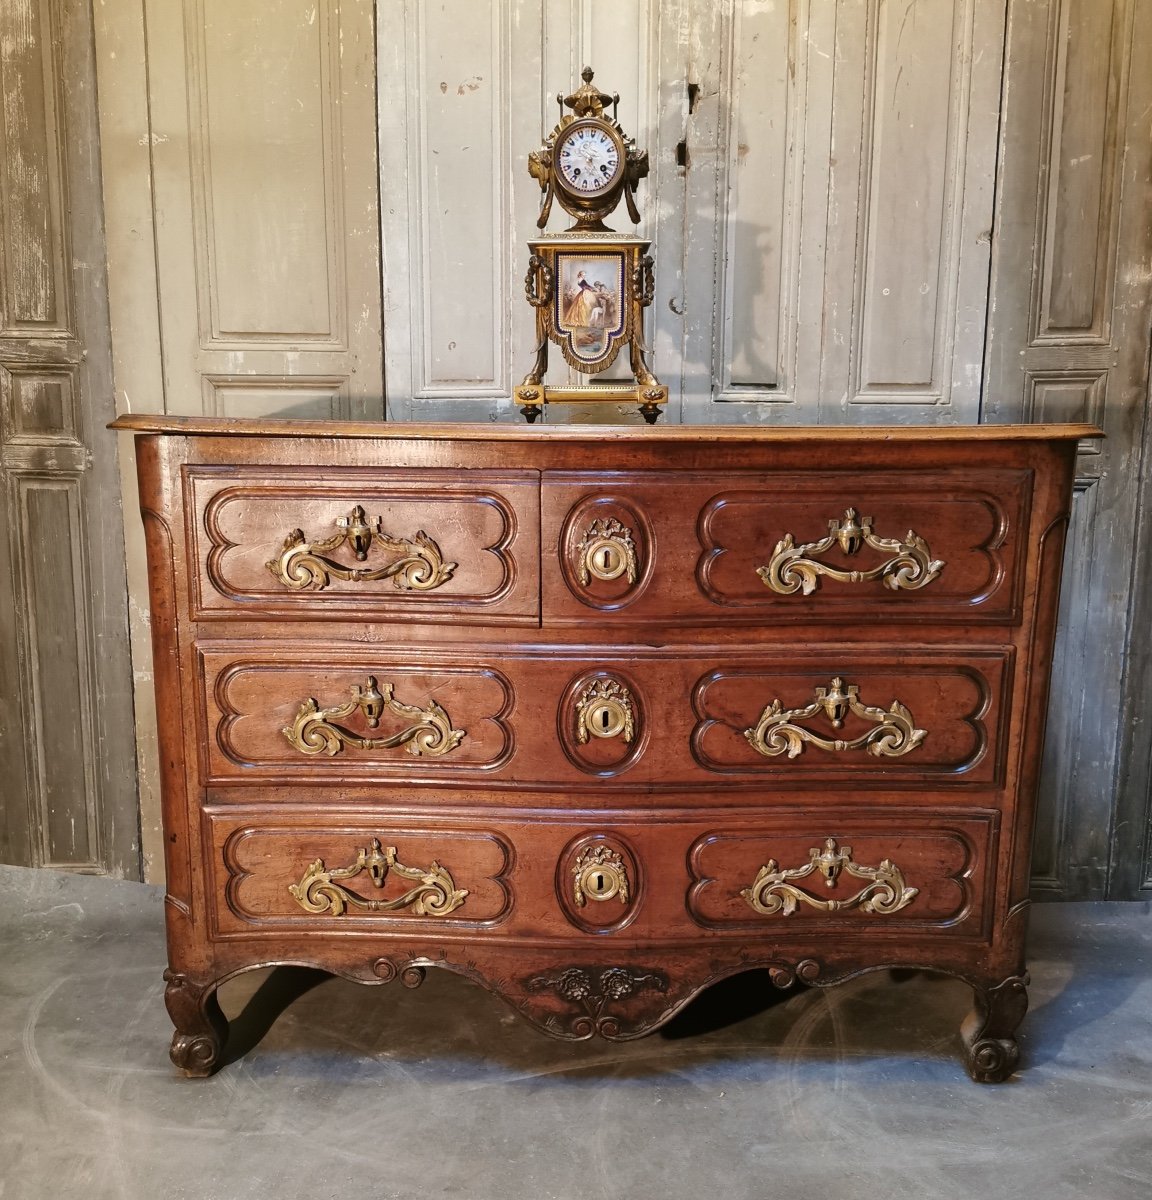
(375, 1093)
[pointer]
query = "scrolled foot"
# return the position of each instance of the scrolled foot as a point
(990, 1048)
(201, 1028)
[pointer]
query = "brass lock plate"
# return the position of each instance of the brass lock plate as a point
(600, 875)
(598, 881)
(605, 710)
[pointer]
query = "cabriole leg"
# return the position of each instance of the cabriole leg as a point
(201, 1028)
(990, 1048)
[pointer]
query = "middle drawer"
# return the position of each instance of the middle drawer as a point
(635, 719)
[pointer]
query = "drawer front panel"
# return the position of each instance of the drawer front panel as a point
(349, 543)
(506, 719)
(881, 871)
(856, 717)
(352, 873)
(553, 876)
(349, 716)
(817, 546)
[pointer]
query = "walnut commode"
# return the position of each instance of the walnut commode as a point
(597, 717)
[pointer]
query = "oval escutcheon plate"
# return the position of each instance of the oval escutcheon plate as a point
(598, 882)
(605, 552)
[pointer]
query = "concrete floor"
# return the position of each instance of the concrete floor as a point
(387, 1094)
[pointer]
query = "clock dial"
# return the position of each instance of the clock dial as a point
(588, 160)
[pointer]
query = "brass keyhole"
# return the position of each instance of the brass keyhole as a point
(607, 719)
(602, 882)
(606, 560)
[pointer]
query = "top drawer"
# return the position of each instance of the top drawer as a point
(813, 546)
(353, 543)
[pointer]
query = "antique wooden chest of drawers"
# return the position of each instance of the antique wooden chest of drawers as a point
(599, 716)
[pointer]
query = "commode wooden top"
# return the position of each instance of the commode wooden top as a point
(246, 427)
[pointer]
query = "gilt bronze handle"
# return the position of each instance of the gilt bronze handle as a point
(772, 892)
(794, 568)
(776, 732)
(322, 889)
(305, 564)
(315, 729)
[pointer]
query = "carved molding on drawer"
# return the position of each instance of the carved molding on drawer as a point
(305, 563)
(794, 568)
(773, 891)
(960, 563)
(893, 733)
(275, 877)
(322, 890)
(309, 717)
(945, 714)
(913, 870)
(331, 563)
(316, 730)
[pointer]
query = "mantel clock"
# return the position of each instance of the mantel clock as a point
(589, 285)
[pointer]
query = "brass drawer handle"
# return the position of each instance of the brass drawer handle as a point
(776, 732)
(606, 551)
(772, 893)
(794, 568)
(303, 564)
(321, 890)
(314, 731)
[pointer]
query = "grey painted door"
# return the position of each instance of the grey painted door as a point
(67, 750)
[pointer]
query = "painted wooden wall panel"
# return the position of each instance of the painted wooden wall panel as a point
(1068, 339)
(853, 189)
(261, 129)
(68, 796)
(914, 160)
(458, 202)
(34, 289)
(58, 668)
(266, 187)
(762, 216)
(1083, 153)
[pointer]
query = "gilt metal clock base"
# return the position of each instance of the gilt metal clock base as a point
(649, 396)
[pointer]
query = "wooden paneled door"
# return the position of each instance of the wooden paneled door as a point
(67, 746)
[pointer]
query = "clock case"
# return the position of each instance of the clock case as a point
(589, 285)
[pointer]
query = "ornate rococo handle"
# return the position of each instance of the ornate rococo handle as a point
(314, 731)
(644, 281)
(776, 732)
(794, 568)
(321, 890)
(886, 892)
(303, 564)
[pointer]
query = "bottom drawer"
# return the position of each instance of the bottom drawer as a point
(665, 876)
